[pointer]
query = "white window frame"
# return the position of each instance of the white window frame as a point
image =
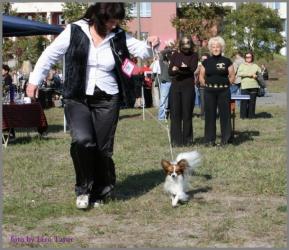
(145, 9)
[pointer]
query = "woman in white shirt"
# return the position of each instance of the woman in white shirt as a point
(96, 82)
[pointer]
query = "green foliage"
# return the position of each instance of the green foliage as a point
(7, 9)
(254, 27)
(24, 48)
(74, 11)
(7, 45)
(199, 18)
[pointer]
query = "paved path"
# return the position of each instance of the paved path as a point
(279, 99)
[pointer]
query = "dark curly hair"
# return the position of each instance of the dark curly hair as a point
(99, 13)
(6, 67)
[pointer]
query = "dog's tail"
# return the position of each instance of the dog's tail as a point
(193, 158)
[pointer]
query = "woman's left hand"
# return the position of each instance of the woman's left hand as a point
(153, 40)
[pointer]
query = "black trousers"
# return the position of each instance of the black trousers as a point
(248, 107)
(182, 101)
(92, 124)
(217, 99)
(148, 97)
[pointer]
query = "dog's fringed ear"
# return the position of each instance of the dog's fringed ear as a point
(165, 164)
(183, 164)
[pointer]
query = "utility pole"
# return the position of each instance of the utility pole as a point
(139, 60)
(138, 28)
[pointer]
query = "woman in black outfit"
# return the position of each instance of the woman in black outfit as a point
(182, 93)
(216, 75)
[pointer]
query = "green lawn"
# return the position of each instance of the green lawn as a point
(278, 75)
(238, 196)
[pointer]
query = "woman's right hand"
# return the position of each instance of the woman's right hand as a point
(32, 91)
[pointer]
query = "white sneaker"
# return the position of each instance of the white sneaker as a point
(97, 203)
(82, 201)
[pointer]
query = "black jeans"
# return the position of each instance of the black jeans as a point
(182, 101)
(217, 99)
(248, 107)
(92, 124)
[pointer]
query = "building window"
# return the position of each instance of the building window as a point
(145, 10)
(61, 21)
(284, 24)
(276, 6)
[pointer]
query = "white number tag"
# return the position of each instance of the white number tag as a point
(128, 67)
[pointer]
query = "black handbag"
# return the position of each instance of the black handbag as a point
(262, 85)
(261, 92)
(260, 80)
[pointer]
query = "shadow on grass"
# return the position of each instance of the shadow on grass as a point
(206, 176)
(55, 128)
(22, 140)
(199, 140)
(241, 137)
(191, 193)
(128, 116)
(138, 184)
(263, 115)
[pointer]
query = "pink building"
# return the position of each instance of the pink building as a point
(155, 18)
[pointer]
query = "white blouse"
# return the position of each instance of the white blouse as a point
(100, 59)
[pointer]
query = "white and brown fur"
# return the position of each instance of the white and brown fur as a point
(176, 182)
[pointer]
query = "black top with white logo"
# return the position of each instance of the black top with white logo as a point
(216, 71)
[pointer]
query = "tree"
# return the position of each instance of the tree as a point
(7, 9)
(254, 27)
(73, 11)
(202, 20)
(29, 48)
(25, 48)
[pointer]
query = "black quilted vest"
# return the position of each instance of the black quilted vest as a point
(76, 62)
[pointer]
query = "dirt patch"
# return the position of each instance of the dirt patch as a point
(218, 220)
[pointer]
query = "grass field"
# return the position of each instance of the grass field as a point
(238, 196)
(277, 73)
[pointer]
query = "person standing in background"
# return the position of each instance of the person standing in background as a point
(8, 90)
(200, 87)
(7, 85)
(265, 74)
(235, 87)
(183, 64)
(155, 67)
(147, 85)
(249, 85)
(165, 80)
(216, 75)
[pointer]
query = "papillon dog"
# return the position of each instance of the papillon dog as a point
(176, 182)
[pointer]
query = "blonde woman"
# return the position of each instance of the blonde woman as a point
(216, 76)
